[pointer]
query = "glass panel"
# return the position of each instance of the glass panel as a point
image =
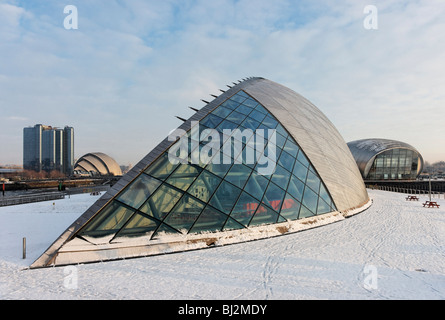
(232, 148)
(281, 130)
(290, 208)
(226, 125)
(313, 181)
(108, 221)
(184, 176)
(274, 196)
(323, 207)
(256, 185)
(222, 112)
(250, 123)
(291, 148)
(305, 212)
(281, 177)
(232, 225)
(250, 102)
(324, 194)
(244, 209)
(257, 115)
(244, 109)
(184, 214)
(162, 168)
(310, 199)
(138, 225)
(238, 175)
(161, 202)
(211, 121)
(281, 140)
(300, 171)
(270, 122)
(162, 230)
(236, 117)
(210, 220)
(230, 104)
(302, 158)
(218, 169)
(296, 188)
(242, 94)
(247, 157)
(238, 98)
(287, 161)
(225, 197)
(139, 191)
(261, 109)
(264, 215)
(204, 186)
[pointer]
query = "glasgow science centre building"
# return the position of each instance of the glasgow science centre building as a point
(258, 161)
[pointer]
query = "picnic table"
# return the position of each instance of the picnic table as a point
(431, 204)
(410, 198)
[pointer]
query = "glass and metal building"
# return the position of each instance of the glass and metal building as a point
(383, 159)
(47, 148)
(257, 161)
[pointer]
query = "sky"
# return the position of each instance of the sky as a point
(131, 66)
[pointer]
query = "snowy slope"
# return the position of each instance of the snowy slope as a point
(394, 250)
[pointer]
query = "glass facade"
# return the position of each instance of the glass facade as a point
(395, 164)
(47, 148)
(226, 189)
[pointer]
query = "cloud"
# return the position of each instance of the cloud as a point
(132, 66)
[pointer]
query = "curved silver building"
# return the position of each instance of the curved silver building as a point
(383, 159)
(258, 161)
(98, 163)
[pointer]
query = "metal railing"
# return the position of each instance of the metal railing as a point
(434, 194)
(21, 199)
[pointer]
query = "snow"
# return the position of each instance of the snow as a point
(393, 250)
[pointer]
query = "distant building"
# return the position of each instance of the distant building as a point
(97, 164)
(383, 159)
(47, 148)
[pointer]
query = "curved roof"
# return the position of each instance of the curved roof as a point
(365, 151)
(160, 206)
(98, 162)
(318, 137)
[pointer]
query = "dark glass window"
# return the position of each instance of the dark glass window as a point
(161, 202)
(184, 214)
(290, 208)
(238, 175)
(225, 197)
(108, 221)
(209, 220)
(139, 191)
(264, 215)
(204, 186)
(244, 208)
(162, 168)
(138, 225)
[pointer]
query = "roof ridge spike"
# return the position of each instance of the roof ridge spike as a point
(182, 119)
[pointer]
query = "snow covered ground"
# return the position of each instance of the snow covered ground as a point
(394, 250)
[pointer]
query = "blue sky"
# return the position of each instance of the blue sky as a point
(132, 66)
